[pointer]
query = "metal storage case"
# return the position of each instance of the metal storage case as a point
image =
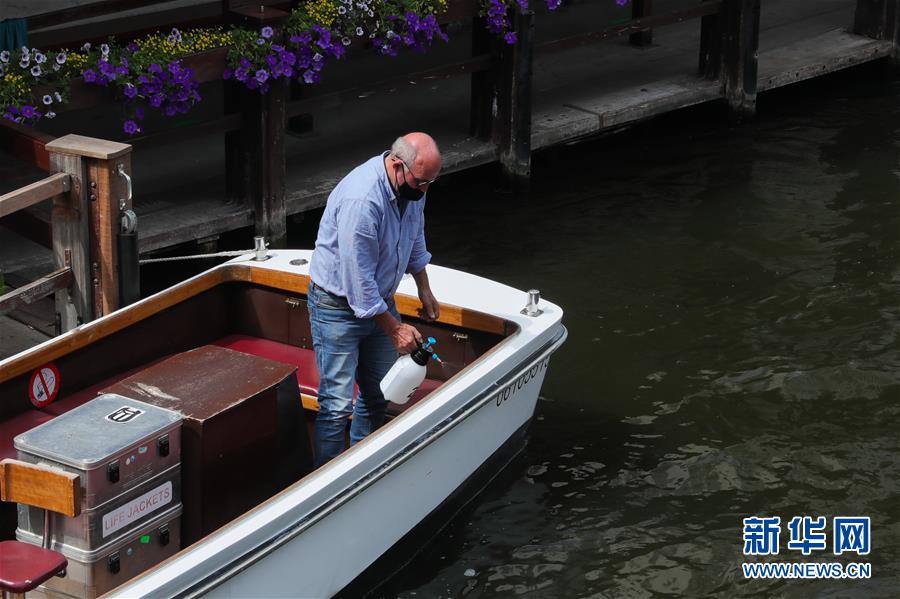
(92, 573)
(117, 517)
(128, 456)
(114, 443)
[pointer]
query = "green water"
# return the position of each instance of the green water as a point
(733, 301)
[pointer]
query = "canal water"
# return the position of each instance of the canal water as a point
(732, 295)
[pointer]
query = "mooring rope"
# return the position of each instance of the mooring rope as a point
(197, 256)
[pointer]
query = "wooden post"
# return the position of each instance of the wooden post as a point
(85, 223)
(512, 122)
(261, 154)
(710, 64)
(641, 8)
(482, 82)
(740, 52)
(879, 19)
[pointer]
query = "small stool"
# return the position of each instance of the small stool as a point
(23, 567)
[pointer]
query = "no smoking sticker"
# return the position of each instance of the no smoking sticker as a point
(44, 385)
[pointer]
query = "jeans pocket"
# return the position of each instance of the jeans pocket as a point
(325, 300)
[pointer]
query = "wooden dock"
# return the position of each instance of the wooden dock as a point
(588, 77)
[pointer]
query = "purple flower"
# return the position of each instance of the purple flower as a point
(169, 110)
(509, 37)
(262, 75)
(130, 127)
(260, 42)
(47, 99)
(227, 73)
(621, 2)
(29, 112)
(155, 68)
(130, 91)
(61, 58)
(89, 76)
(156, 100)
(50, 115)
(310, 76)
(132, 47)
(139, 113)
(104, 49)
(36, 71)
(267, 32)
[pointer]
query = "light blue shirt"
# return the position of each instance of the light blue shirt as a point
(364, 246)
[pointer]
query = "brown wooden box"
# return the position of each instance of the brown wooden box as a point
(244, 436)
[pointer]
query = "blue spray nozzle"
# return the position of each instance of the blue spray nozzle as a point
(435, 357)
(429, 342)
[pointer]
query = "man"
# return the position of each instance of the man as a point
(372, 232)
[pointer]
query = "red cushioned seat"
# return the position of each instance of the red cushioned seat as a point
(305, 361)
(23, 567)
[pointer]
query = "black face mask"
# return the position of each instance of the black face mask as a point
(405, 192)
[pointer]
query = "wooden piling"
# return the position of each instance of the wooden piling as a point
(85, 223)
(483, 83)
(512, 121)
(740, 19)
(711, 39)
(879, 19)
(639, 9)
(255, 156)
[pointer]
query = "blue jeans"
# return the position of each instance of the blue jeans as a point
(347, 349)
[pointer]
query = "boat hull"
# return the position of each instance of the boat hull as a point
(324, 554)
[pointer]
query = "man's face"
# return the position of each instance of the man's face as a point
(417, 180)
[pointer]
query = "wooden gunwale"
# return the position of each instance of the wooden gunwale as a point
(88, 333)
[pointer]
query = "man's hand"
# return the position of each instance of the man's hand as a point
(431, 309)
(403, 336)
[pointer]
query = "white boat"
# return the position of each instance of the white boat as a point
(337, 525)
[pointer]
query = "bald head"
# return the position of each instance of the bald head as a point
(420, 152)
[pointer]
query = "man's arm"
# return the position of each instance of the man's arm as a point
(431, 309)
(403, 336)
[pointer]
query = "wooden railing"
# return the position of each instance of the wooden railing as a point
(89, 192)
(53, 186)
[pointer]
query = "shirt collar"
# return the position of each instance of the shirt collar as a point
(385, 180)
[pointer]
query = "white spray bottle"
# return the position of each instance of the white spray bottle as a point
(407, 373)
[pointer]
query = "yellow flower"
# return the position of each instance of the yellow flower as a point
(323, 12)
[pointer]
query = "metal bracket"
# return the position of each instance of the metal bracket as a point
(120, 169)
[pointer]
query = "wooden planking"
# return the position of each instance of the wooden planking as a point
(127, 24)
(33, 194)
(472, 65)
(36, 290)
(89, 147)
(593, 115)
(86, 11)
(826, 53)
(40, 486)
(110, 188)
(407, 305)
(70, 220)
(633, 26)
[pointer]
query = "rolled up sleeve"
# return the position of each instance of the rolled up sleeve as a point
(358, 243)
(420, 256)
